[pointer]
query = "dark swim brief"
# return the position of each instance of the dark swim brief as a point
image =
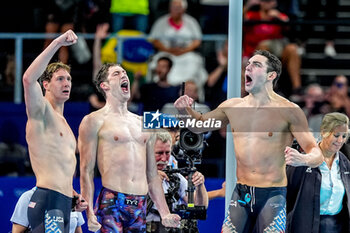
(256, 210)
(119, 212)
(49, 211)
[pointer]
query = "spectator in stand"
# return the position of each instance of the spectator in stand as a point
(136, 11)
(179, 34)
(184, 29)
(314, 94)
(214, 16)
(7, 82)
(312, 12)
(216, 91)
(96, 99)
(14, 158)
(263, 36)
(315, 107)
(94, 13)
(338, 96)
(62, 16)
(154, 95)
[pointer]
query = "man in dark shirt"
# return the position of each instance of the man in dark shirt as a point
(154, 95)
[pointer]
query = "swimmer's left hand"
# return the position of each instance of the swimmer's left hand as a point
(171, 220)
(81, 204)
(294, 157)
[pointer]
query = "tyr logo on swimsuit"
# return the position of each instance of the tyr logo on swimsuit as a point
(131, 202)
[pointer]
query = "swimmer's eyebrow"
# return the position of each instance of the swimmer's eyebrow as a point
(257, 63)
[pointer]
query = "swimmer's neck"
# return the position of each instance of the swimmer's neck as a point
(57, 106)
(261, 99)
(116, 107)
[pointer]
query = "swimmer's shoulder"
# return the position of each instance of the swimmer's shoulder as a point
(135, 116)
(94, 119)
(283, 102)
(232, 102)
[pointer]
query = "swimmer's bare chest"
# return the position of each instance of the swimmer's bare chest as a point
(253, 120)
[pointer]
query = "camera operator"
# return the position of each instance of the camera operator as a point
(175, 183)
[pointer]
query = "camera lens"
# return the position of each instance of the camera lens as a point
(190, 141)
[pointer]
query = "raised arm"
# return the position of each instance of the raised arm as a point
(215, 75)
(183, 105)
(32, 91)
(155, 188)
(87, 144)
(300, 130)
(101, 33)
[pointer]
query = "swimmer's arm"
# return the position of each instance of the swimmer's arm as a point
(300, 130)
(154, 183)
(32, 91)
(87, 144)
(183, 105)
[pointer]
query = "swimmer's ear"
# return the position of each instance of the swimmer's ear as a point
(104, 86)
(271, 75)
(45, 83)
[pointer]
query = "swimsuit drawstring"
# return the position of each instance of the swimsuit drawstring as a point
(252, 202)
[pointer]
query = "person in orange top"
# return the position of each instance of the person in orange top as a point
(267, 36)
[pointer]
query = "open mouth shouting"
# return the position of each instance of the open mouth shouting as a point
(248, 80)
(66, 92)
(125, 86)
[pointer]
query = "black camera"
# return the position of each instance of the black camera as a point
(195, 212)
(189, 146)
(184, 211)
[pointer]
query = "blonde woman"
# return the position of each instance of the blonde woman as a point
(317, 198)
